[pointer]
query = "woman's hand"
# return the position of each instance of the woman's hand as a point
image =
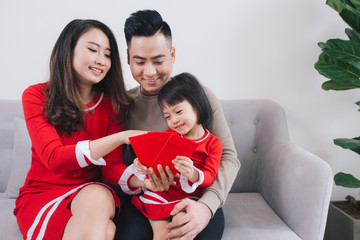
(186, 167)
(102, 146)
(125, 135)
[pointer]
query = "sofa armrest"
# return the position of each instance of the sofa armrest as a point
(297, 185)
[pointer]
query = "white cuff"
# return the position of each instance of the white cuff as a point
(82, 148)
(80, 157)
(184, 182)
(125, 177)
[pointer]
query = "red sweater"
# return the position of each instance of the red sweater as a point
(56, 159)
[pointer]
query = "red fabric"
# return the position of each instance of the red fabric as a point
(55, 169)
(206, 157)
(57, 222)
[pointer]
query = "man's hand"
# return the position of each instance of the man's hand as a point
(190, 224)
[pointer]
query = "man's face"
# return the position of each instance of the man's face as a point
(151, 60)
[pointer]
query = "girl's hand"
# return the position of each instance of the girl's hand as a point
(186, 167)
(162, 183)
(153, 182)
(141, 168)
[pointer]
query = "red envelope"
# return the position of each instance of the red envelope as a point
(140, 142)
(155, 148)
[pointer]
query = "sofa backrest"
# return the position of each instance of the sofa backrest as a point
(9, 109)
(250, 121)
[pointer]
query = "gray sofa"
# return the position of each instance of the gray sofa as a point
(281, 191)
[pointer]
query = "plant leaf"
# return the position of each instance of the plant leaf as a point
(321, 44)
(344, 50)
(355, 3)
(351, 18)
(346, 180)
(337, 70)
(338, 85)
(338, 5)
(349, 143)
(353, 35)
(348, 10)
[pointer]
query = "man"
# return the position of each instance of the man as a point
(151, 57)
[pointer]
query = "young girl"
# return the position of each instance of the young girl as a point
(187, 112)
(74, 122)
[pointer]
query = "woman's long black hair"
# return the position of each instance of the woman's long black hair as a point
(63, 106)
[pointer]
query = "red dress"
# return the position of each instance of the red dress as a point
(62, 165)
(158, 205)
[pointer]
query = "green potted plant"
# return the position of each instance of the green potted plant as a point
(339, 61)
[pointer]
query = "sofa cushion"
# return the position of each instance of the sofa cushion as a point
(253, 219)
(21, 159)
(8, 220)
(5, 166)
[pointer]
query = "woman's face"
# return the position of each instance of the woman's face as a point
(91, 59)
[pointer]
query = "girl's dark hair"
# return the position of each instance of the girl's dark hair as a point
(145, 23)
(185, 86)
(63, 106)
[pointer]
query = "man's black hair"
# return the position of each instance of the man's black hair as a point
(145, 23)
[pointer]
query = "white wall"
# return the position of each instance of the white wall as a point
(240, 49)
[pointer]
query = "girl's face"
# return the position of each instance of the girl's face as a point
(91, 59)
(182, 118)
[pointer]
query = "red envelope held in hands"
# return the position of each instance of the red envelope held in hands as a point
(155, 148)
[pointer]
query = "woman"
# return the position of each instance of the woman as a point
(74, 122)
